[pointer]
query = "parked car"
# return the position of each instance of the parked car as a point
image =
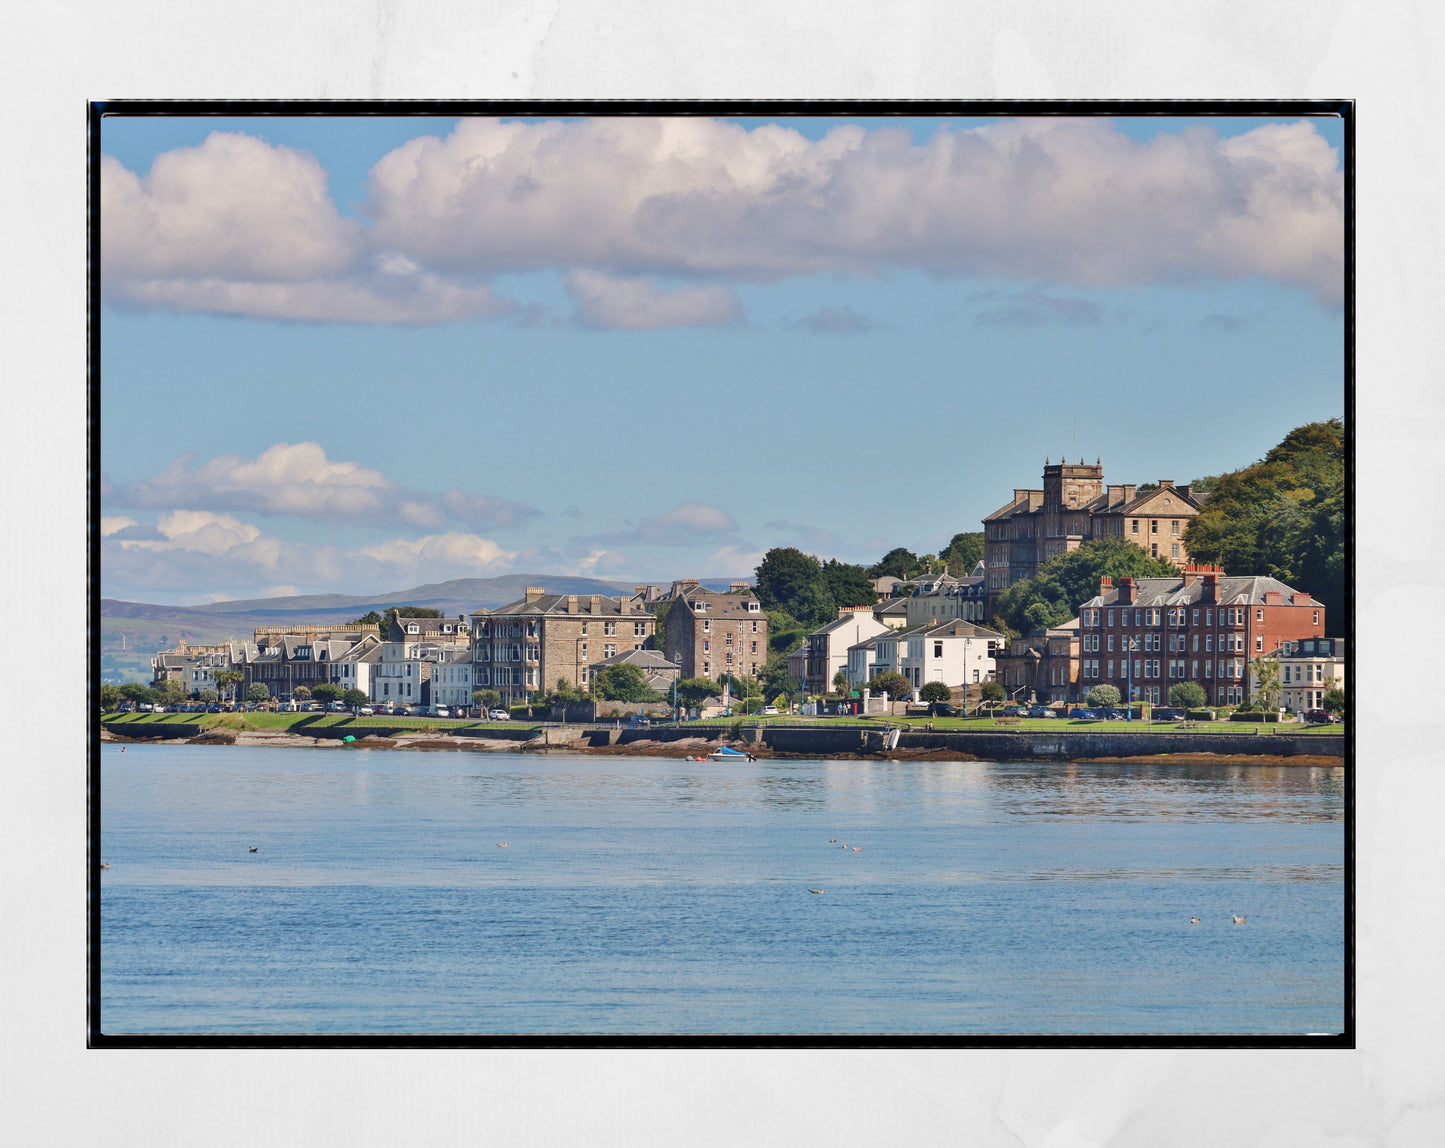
(942, 709)
(1321, 717)
(770, 710)
(499, 715)
(366, 710)
(639, 719)
(1079, 713)
(442, 711)
(1169, 715)
(338, 707)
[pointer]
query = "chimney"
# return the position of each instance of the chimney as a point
(1130, 491)
(571, 603)
(595, 605)
(1211, 588)
(1301, 598)
(535, 592)
(1166, 484)
(1105, 585)
(738, 588)
(1020, 495)
(1126, 591)
(1273, 598)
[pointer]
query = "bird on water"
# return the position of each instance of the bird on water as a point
(252, 848)
(815, 890)
(1237, 919)
(1194, 920)
(501, 844)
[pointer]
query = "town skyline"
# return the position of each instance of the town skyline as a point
(740, 335)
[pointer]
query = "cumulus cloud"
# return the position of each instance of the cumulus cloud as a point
(1075, 201)
(240, 226)
(299, 479)
(637, 304)
(109, 526)
(686, 524)
(191, 552)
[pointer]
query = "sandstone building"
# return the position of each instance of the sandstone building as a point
(710, 634)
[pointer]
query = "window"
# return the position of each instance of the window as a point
(1111, 620)
(609, 650)
(1174, 527)
(755, 648)
(755, 625)
(1208, 669)
(1196, 643)
(639, 629)
(1134, 527)
(1153, 526)
(1154, 550)
(609, 629)
(1110, 666)
(1111, 643)
(584, 627)
(707, 625)
(754, 608)
(706, 646)
(938, 649)
(584, 652)
(1174, 550)
(1209, 643)
(729, 639)
(1209, 617)
(1259, 615)
(1258, 643)
(1316, 618)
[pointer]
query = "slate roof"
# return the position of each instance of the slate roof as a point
(1232, 591)
(648, 661)
(556, 604)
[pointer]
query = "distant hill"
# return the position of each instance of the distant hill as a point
(131, 632)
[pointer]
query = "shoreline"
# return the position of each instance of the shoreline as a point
(685, 748)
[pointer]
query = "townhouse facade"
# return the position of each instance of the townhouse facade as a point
(1075, 506)
(954, 652)
(529, 644)
(1309, 668)
(710, 633)
(826, 648)
(1144, 635)
(1044, 667)
(944, 596)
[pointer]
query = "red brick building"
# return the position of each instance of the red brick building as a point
(1145, 635)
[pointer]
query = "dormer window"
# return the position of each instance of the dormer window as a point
(753, 606)
(413, 629)
(699, 606)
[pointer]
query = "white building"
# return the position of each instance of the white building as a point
(827, 646)
(1308, 669)
(953, 652)
(941, 596)
(451, 678)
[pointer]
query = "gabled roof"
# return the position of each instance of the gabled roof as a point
(1140, 502)
(1232, 591)
(648, 661)
(1016, 506)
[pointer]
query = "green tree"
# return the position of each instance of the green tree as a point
(659, 639)
(1187, 696)
(370, 618)
(1334, 701)
(897, 563)
(486, 699)
(326, 692)
(895, 685)
(354, 697)
(787, 579)
(622, 683)
(842, 683)
(258, 693)
(172, 693)
(109, 697)
(694, 691)
(565, 692)
(934, 692)
(848, 585)
(1063, 583)
(1101, 696)
(209, 696)
(992, 692)
(1283, 517)
(1266, 682)
(780, 702)
(964, 552)
(302, 693)
(775, 676)
(228, 680)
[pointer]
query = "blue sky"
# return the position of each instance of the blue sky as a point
(644, 354)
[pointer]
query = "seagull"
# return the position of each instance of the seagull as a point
(253, 848)
(105, 865)
(815, 890)
(1237, 920)
(857, 849)
(1194, 920)
(501, 844)
(832, 841)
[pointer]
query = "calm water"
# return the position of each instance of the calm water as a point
(643, 895)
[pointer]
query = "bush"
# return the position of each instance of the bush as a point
(1249, 715)
(1187, 695)
(1201, 715)
(1101, 696)
(935, 692)
(993, 692)
(895, 685)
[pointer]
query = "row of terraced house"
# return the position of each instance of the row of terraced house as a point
(517, 650)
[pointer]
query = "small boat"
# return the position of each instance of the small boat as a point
(729, 754)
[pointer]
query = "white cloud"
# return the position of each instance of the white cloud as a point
(109, 526)
(192, 552)
(637, 304)
(299, 479)
(1073, 201)
(239, 226)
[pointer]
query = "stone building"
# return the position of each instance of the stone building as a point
(711, 633)
(527, 645)
(1144, 635)
(1075, 507)
(1309, 668)
(1043, 667)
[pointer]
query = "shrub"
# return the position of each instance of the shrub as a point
(1187, 695)
(1245, 714)
(1201, 715)
(991, 692)
(1101, 696)
(935, 692)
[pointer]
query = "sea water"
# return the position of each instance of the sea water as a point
(396, 892)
